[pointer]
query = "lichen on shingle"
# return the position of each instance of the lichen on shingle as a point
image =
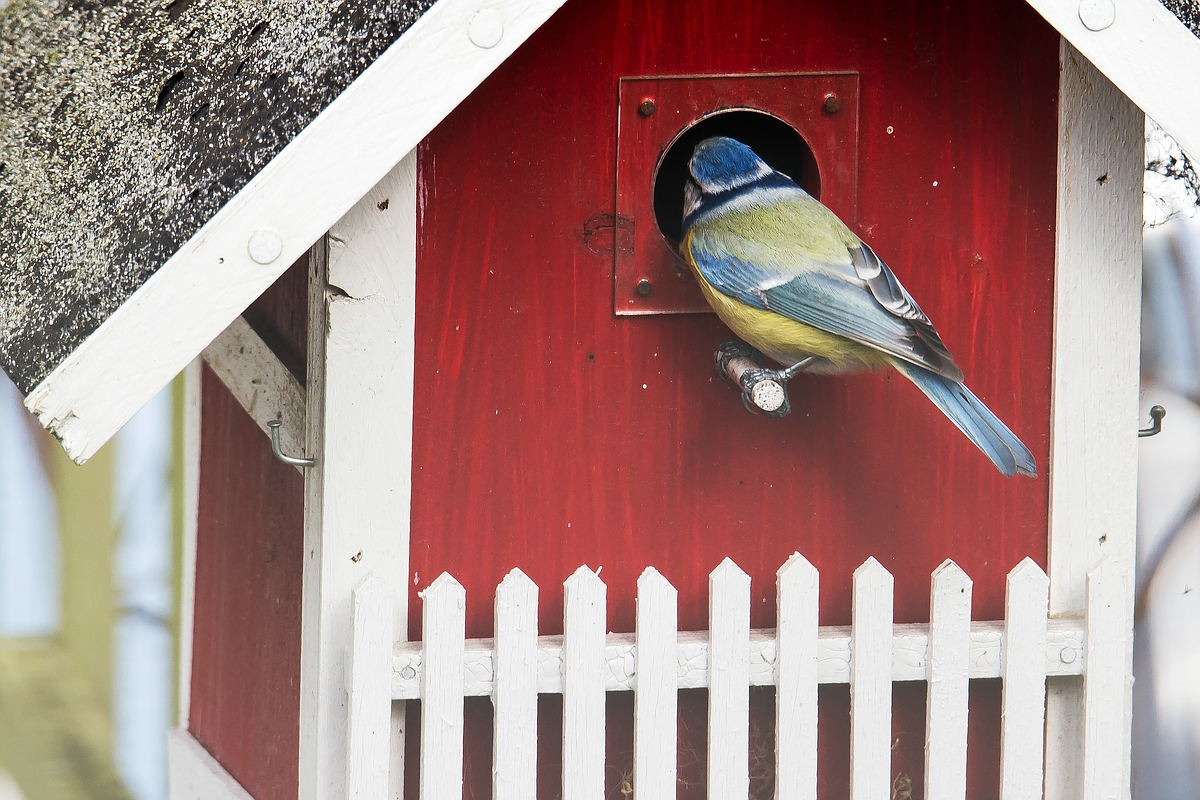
(125, 125)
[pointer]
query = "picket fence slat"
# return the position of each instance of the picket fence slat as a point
(871, 683)
(443, 619)
(1105, 753)
(584, 614)
(1023, 712)
(514, 743)
(369, 673)
(656, 692)
(797, 589)
(728, 682)
(946, 700)
(658, 660)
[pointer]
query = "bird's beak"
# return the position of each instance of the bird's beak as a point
(691, 197)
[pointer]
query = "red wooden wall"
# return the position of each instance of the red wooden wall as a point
(245, 702)
(550, 433)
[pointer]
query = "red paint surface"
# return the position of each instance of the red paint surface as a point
(246, 642)
(550, 433)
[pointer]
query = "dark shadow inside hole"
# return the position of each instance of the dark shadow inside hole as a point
(774, 140)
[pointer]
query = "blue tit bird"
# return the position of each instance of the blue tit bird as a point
(788, 277)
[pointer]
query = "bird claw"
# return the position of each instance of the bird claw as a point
(728, 351)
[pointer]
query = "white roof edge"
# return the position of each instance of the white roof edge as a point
(1148, 54)
(299, 195)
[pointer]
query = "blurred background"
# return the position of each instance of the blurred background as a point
(90, 562)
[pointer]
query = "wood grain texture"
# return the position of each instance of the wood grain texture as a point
(656, 687)
(1106, 681)
(516, 690)
(1024, 676)
(871, 683)
(797, 665)
(368, 689)
(535, 444)
(949, 671)
(728, 682)
(1093, 498)
(359, 400)
(245, 675)
(441, 693)
(263, 386)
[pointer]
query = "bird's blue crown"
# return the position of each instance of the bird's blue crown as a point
(720, 164)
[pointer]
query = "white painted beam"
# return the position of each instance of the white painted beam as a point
(259, 381)
(360, 393)
(298, 196)
(194, 774)
(1094, 413)
(1145, 51)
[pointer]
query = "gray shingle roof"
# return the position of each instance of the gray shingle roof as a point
(125, 125)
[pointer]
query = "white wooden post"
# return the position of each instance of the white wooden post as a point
(728, 682)
(369, 686)
(798, 596)
(871, 683)
(443, 622)
(584, 614)
(1105, 771)
(359, 429)
(1094, 415)
(1023, 670)
(514, 752)
(949, 665)
(656, 691)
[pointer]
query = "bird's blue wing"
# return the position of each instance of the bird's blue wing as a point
(871, 308)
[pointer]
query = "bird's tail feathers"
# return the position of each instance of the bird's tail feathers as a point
(974, 419)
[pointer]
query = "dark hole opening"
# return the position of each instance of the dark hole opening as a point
(774, 140)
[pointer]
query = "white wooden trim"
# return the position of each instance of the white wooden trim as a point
(1023, 668)
(193, 774)
(1105, 679)
(583, 657)
(656, 698)
(871, 683)
(299, 194)
(910, 649)
(797, 667)
(514, 740)
(192, 378)
(368, 676)
(949, 673)
(443, 619)
(259, 381)
(728, 682)
(1149, 55)
(1094, 419)
(359, 417)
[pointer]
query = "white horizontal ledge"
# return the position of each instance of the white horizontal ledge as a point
(1064, 656)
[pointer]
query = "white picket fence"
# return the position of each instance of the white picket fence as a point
(658, 660)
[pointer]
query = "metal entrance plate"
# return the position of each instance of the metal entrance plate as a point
(649, 276)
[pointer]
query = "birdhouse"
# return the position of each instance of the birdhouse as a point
(470, 508)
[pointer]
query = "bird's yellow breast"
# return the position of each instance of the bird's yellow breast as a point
(784, 339)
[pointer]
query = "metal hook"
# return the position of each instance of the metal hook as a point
(1156, 417)
(274, 424)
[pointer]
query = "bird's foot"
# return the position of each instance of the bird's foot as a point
(731, 351)
(764, 391)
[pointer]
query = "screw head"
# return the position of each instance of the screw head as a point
(408, 673)
(647, 108)
(1067, 655)
(644, 287)
(264, 246)
(832, 104)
